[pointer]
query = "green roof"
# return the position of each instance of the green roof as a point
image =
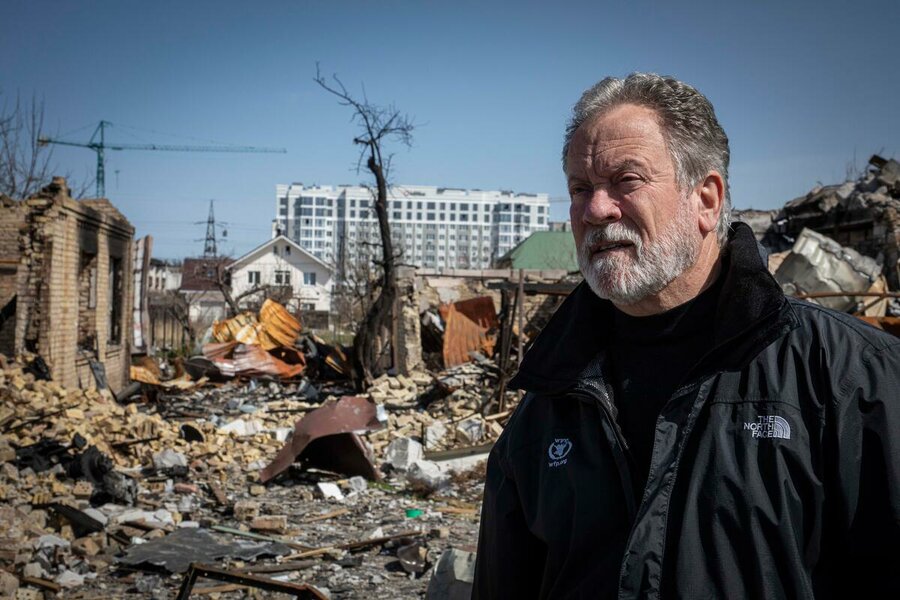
(544, 250)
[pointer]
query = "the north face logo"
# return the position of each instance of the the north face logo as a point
(769, 426)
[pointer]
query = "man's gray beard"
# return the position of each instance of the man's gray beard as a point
(624, 279)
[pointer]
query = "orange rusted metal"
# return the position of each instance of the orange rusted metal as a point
(338, 361)
(279, 327)
(216, 350)
(327, 438)
(889, 324)
(253, 360)
(227, 330)
(466, 328)
(248, 334)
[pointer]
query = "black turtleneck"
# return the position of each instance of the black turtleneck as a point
(650, 357)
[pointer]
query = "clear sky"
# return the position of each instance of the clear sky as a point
(803, 89)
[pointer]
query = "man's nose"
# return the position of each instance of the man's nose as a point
(601, 208)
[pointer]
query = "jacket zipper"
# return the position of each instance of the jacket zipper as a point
(621, 453)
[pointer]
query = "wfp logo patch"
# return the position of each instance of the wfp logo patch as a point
(769, 426)
(558, 451)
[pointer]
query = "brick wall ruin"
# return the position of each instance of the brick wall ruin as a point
(65, 284)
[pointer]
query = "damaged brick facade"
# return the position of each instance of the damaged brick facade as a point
(66, 285)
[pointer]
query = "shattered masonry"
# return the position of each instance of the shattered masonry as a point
(66, 285)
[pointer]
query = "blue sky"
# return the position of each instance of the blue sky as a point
(804, 91)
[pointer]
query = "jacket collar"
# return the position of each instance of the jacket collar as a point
(751, 313)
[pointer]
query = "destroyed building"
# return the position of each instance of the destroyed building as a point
(66, 285)
(862, 214)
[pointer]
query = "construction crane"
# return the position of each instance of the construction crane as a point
(98, 144)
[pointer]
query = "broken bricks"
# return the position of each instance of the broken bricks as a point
(212, 460)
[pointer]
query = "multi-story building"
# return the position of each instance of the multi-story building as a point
(430, 226)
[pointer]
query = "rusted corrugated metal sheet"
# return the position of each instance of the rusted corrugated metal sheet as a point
(326, 438)
(280, 328)
(227, 330)
(338, 361)
(253, 360)
(216, 350)
(466, 327)
(249, 334)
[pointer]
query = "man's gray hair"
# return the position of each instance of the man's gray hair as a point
(696, 141)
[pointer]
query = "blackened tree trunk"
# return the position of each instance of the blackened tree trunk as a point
(377, 124)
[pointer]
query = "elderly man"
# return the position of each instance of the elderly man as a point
(688, 432)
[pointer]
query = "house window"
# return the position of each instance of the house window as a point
(253, 277)
(282, 278)
(287, 250)
(116, 293)
(309, 278)
(87, 301)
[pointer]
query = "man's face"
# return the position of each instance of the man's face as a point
(635, 229)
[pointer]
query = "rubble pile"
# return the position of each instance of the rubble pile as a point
(862, 214)
(839, 245)
(101, 499)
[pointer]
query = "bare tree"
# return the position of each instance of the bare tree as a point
(25, 164)
(377, 124)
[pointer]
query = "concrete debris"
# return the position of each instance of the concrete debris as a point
(434, 433)
(427, 475)
(453, 576)
(9, 583)
(470, 431)
(50, 541)
(241, 428)
(330, 490)
(208, 459)
(168, 459)
(818, 264)
(357, 484)
(403, 453)
(862, 214)
(69, 579)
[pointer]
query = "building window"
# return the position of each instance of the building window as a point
(253, 277)
(116, 277)
(87, 301)
(309, 278)
(282, 278)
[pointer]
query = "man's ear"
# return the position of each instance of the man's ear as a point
(710, 196)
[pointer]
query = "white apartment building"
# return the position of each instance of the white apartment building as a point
(433, 227)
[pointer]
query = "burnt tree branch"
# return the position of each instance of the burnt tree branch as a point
(377, 125)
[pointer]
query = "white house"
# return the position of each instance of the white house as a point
(281, 262)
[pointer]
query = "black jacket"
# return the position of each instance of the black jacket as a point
(775, 470)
